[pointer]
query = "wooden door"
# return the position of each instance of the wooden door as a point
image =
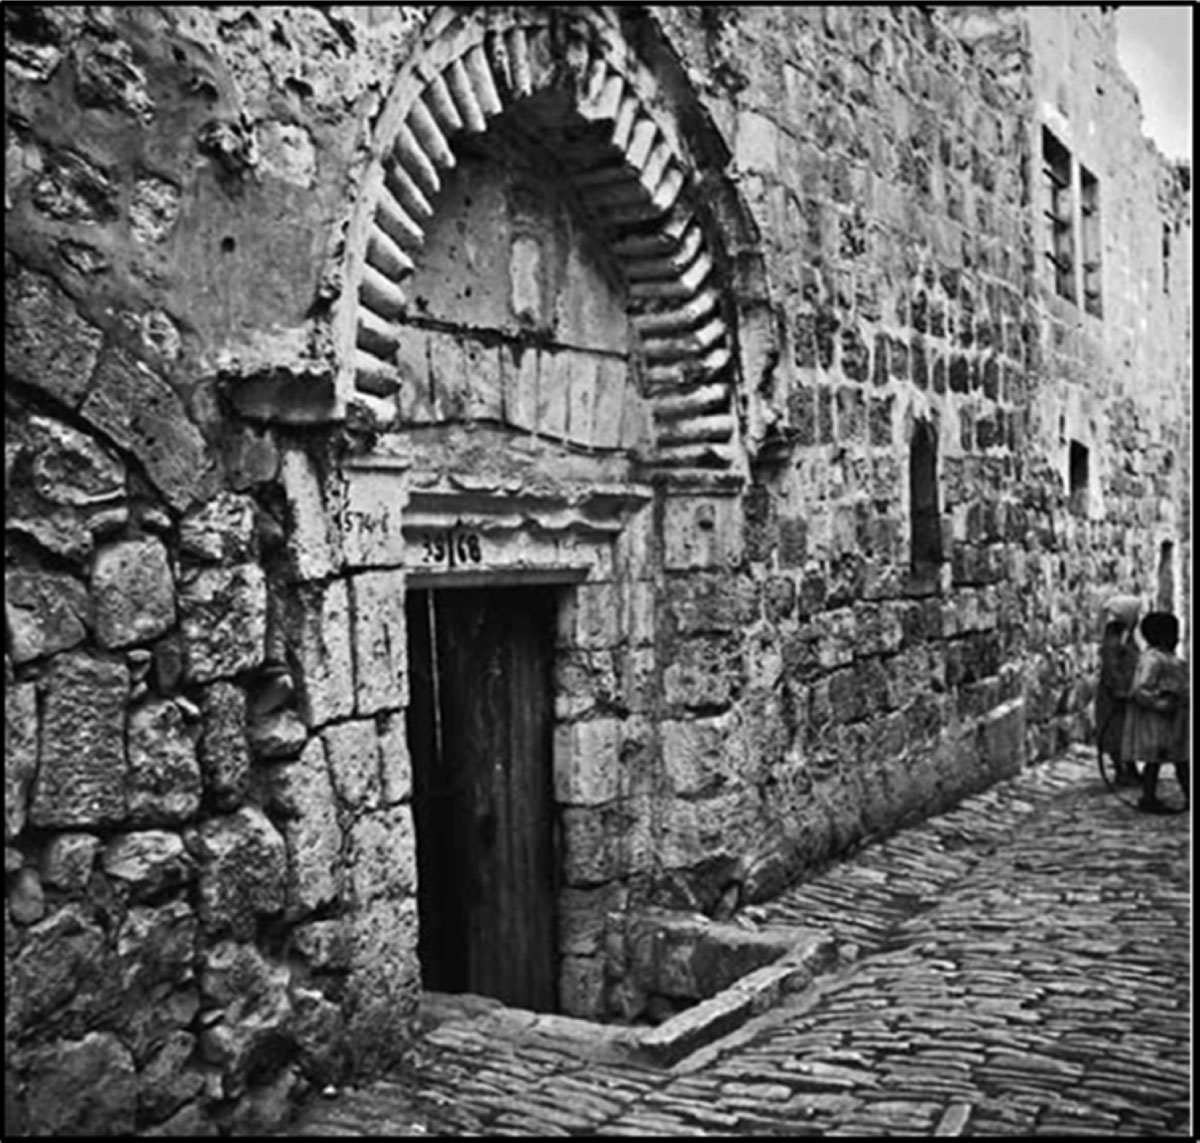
(480, 733)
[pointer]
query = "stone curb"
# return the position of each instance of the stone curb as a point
(664, 1045)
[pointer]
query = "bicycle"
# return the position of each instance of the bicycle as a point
(1129, 791)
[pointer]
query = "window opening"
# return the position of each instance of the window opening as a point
(923, 495)
(1056, 168)
(1166, 576)
(1166, 258)
(1089, 227)
(1078, 479)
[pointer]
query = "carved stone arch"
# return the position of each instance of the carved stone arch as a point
(628, 164)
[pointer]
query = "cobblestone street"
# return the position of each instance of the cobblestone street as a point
(1018, 966)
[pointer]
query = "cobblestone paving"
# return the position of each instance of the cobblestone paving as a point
(1019, 966)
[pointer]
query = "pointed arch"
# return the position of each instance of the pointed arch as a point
(570, 72)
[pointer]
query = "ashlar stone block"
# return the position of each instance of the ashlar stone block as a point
(224, 619)
(352, 749)
(164, 774)
(395, 763)
(320, 635)
(701, 754)
(380, 641)
(81, 779)
(314, 548)
(587, 762)
(383, 857)
(133, 592)
(314, 837)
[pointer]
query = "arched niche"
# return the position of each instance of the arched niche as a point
(564, 85)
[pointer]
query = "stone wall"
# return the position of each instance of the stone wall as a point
(222, 471)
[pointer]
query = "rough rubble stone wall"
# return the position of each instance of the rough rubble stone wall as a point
(209, 843)
(209, 869)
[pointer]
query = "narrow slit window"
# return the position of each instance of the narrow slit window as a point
(1089, 232)
(1166, 258)
(1060, 215)
(1077, 476)
(923, 499)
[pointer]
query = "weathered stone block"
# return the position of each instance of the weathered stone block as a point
(142, 413)
(314, 838)
(26, 898)
(81, 768)
(384, 982)
(710, 602)
(383, 861)
(243, 872)
(701, 532)
(325, 945)
(369, 518)
(255, 1011)
(222, 531)
(380, 641)
(68, 860)
(224, 618)
(133, 592)
(352, 749)
(581, 986)
(587, 762)
(84, 1088)
(164, 775)
(224, 755)
(46, 343)
(313, 543)
(582, 918)
(170, 1078)
(68, 467)
(320, 635)
(597, 615)
(395, 764)
(45, 612)
(280, 734)
(148, 862)
(704, 672)
(701, 754)
(20, 753)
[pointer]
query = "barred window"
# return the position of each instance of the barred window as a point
(1089, 214)
(1060, 215)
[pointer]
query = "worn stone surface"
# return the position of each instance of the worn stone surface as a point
(85, 1088)
(68, 860)
(45, 612)
(46, 343)
(223, 615)
(243, 872)
(223, 750)
(221, 532)
(20, 753)
(148, 861)
(302, 791)
(144, 415)
(164, 783)
(133, 592)
(81, 778)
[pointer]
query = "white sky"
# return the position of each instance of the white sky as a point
(1154, 43)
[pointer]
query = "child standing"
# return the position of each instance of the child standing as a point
(1118, 661)
(1156, 722)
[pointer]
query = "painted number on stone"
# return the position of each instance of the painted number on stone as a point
(453, 547)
